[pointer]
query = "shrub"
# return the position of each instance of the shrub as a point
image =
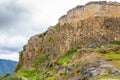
(43, 34)
(17, 66)
(30, 74)
(1, 77)
(40, 59)
(64, 59)
(61, 72)
(50, 39)
(7, 74)
(20, 54)
(50, 78)
(115, 42)
(10, 77)
(102, 51)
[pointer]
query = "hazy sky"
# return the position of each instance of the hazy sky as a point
(21, 19)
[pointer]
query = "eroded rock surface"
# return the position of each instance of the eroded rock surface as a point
(93, 24)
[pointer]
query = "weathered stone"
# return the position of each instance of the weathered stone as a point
(91, 69)
(67, 70)
(101, 62)
(94, 9)
(58, 67)
(103, 72)
(115, 72)
(104, 68)
(94, 73)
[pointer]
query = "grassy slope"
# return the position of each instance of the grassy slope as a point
(109, 52)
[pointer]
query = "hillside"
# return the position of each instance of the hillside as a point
(7, 66)
(83, 45)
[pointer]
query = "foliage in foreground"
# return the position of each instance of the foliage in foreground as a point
(30, 74)
(65, 59)
(10, 77)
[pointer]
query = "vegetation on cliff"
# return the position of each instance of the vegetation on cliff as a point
(71, 65)
(8, 76)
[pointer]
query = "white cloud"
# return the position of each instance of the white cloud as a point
(13, 56)
(11, 42)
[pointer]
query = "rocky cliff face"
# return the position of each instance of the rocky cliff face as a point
(90, 10)
(83, 26)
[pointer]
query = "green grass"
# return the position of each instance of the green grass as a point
(61, 72)
(111, 55)
(10, 77)
(50, 78)
(106, 77)
(65, 59)
(116, 63)
(30, 74)
(1, 77)
(34, 74)
(40, 59)
(49, 75)
(115, 42)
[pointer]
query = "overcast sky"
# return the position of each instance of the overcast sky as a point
(21, 19)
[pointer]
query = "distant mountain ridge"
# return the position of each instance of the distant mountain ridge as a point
(7, 66)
